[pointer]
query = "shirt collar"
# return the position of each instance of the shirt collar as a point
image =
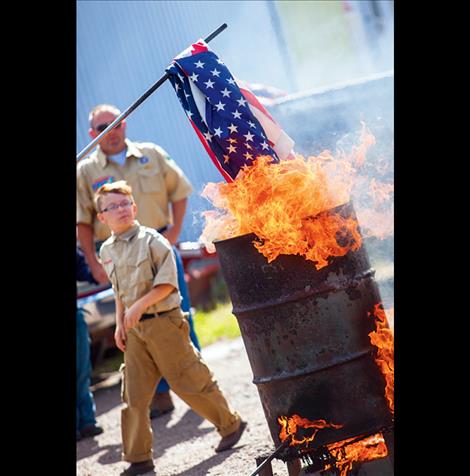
(126, 235)
(132, 151)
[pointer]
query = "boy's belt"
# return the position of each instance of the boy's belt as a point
(156, 314)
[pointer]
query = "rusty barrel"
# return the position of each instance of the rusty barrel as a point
(306, 336)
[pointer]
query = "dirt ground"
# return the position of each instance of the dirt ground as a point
(183, 442)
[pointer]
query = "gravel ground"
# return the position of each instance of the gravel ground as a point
(183, 442)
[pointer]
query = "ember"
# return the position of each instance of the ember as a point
(382, 338)
(347, 452)
(291, 427)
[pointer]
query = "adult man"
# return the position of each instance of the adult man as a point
(160, 190)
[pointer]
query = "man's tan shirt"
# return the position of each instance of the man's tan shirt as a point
(138, 260)
(155, 179)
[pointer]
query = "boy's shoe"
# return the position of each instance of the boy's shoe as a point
(91, 430)
(141, 467)
(161, 405)
(228, 441)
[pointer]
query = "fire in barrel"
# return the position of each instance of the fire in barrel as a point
(308, 307)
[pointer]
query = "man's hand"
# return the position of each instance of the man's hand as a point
(171, 234)
(120, 337)
(99, 273)
(132, 315)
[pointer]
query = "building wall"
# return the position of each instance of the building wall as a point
(123, 48)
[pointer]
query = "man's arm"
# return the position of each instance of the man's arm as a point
(155, 295)
(178, 211)
(85, 237)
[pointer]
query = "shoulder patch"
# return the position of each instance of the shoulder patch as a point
(101, 181)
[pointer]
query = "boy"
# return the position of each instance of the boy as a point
(152, 331)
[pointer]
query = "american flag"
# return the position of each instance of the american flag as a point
(228, 118)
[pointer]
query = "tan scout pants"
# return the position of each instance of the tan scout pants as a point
(162, 347)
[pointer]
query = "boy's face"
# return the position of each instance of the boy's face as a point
(117, 211)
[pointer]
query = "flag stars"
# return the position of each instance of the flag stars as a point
(248, 156)
(232, 128)
(215, 72)
(242, 102)
(208, 136)
(231, 149)
(199, 64)
(232, 140)
(252, 124)
(220, 106)
(218, 132)
(226, 93)
(226, 159)
(231, 81)
(248, 136)
(264, 145)
(236, 114)
(193, 77)
(209, 84)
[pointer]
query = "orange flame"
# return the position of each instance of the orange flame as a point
(346, 453)
(289, 427)
(284, 204)
(382, 338)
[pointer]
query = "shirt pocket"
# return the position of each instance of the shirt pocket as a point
(150, 180)
(139, 278)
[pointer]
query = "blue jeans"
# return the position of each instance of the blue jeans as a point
(186, 307)
(85, 403)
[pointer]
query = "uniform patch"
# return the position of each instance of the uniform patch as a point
(143, 160)
(101, 181)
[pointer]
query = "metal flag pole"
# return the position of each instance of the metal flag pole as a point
(139, 101)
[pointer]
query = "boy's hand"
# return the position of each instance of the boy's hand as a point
(120, 338)
(132, 315)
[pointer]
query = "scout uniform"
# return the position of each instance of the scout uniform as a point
(155, 179)
(159, 345)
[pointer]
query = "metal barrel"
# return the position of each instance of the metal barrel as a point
(306, 336)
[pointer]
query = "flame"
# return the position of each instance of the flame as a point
(283, 204)
(382, 338)
(289, 427)
(288, 205)
(367, 449)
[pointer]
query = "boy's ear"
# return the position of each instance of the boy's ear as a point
(101, 217)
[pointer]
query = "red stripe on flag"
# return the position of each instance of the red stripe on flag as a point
(211, 153)
(199, 47)
(253, 100)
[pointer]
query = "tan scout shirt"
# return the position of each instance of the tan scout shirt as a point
(136, 261)
(155, 179)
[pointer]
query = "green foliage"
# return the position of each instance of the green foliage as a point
(216, 324)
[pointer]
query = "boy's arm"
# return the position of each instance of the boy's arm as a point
(120, 335)
(155, 295)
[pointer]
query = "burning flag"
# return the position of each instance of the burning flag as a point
(233, 126)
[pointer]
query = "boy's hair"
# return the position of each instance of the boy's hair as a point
(120, 187)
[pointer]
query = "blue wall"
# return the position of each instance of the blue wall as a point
(123, 48)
